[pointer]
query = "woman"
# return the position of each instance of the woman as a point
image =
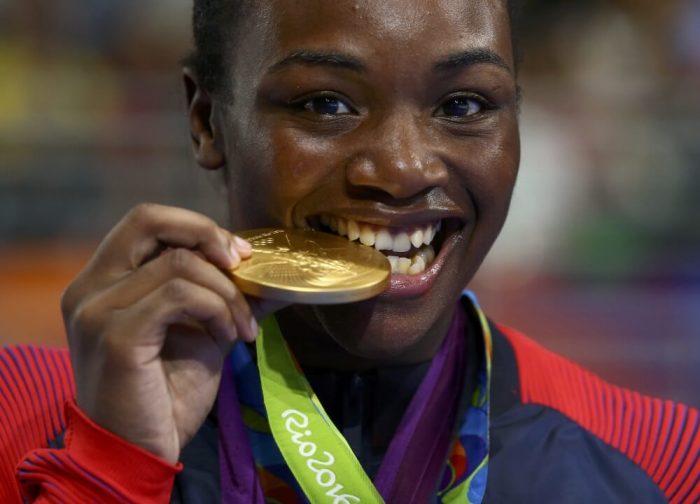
(398, 121)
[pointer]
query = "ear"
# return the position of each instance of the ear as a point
(206, 152)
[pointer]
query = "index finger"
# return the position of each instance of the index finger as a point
(148, 229)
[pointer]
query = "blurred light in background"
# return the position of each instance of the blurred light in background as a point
(600, 258)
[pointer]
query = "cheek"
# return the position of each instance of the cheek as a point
(493, 172)
(487, 175)
(253, 186)
(300, 167)
(277, 169)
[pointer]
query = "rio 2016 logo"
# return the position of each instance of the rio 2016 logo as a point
(296, 424)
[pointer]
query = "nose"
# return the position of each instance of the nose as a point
(397, 158)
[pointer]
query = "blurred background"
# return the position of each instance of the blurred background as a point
(600, 258)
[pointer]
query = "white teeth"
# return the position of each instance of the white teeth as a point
(401, 243)
(414, 265)
(404, 265)
(383, 240)
(353, 230)
(367, 236)
(417, 238)
(394, 261)
(417, 265)
(428, 235)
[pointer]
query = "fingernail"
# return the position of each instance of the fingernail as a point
(254, 327)
(243, 244)
(235, 257)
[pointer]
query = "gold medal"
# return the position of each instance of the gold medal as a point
(303, 266)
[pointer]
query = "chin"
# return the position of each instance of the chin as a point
(405, 324)
(393, 330)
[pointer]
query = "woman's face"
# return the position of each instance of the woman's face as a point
(395, 119)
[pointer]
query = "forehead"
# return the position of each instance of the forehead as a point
(416, 28)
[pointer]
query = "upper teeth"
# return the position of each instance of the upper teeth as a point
(388, 239)
(379, 237)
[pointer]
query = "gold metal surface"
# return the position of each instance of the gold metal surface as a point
(303, 266)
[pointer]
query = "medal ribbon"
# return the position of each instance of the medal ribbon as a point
(250, 458)
(317, 454)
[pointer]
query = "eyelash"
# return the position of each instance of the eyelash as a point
(484, 106)
(305, 104)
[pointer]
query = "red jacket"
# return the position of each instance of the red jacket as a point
(550, 419)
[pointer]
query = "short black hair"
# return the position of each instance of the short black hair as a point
(214, 23)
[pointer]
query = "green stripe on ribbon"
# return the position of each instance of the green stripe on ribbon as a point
(317, 454)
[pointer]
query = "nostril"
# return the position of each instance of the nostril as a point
(399, 176)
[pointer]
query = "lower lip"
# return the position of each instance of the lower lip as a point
(409, 286)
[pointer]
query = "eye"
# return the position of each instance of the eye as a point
(462, 106)
(326, 105)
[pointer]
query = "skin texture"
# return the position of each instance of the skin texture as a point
(149, 321)
(394, 159)
(378, 137)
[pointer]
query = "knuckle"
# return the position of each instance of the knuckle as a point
(209, 223)
(142, 213)
(215, 305)
(207, 228)
(177, 290)
(211, 230)
(86, 319)
(220, 311)
(76, 291)
(181, 260)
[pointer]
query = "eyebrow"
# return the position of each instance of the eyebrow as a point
(316, 58)
(464, 59)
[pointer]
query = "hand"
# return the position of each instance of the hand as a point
(150, 321)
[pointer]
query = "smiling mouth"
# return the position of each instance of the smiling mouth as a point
(410, 250)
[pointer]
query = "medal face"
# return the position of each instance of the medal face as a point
(303, 266)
